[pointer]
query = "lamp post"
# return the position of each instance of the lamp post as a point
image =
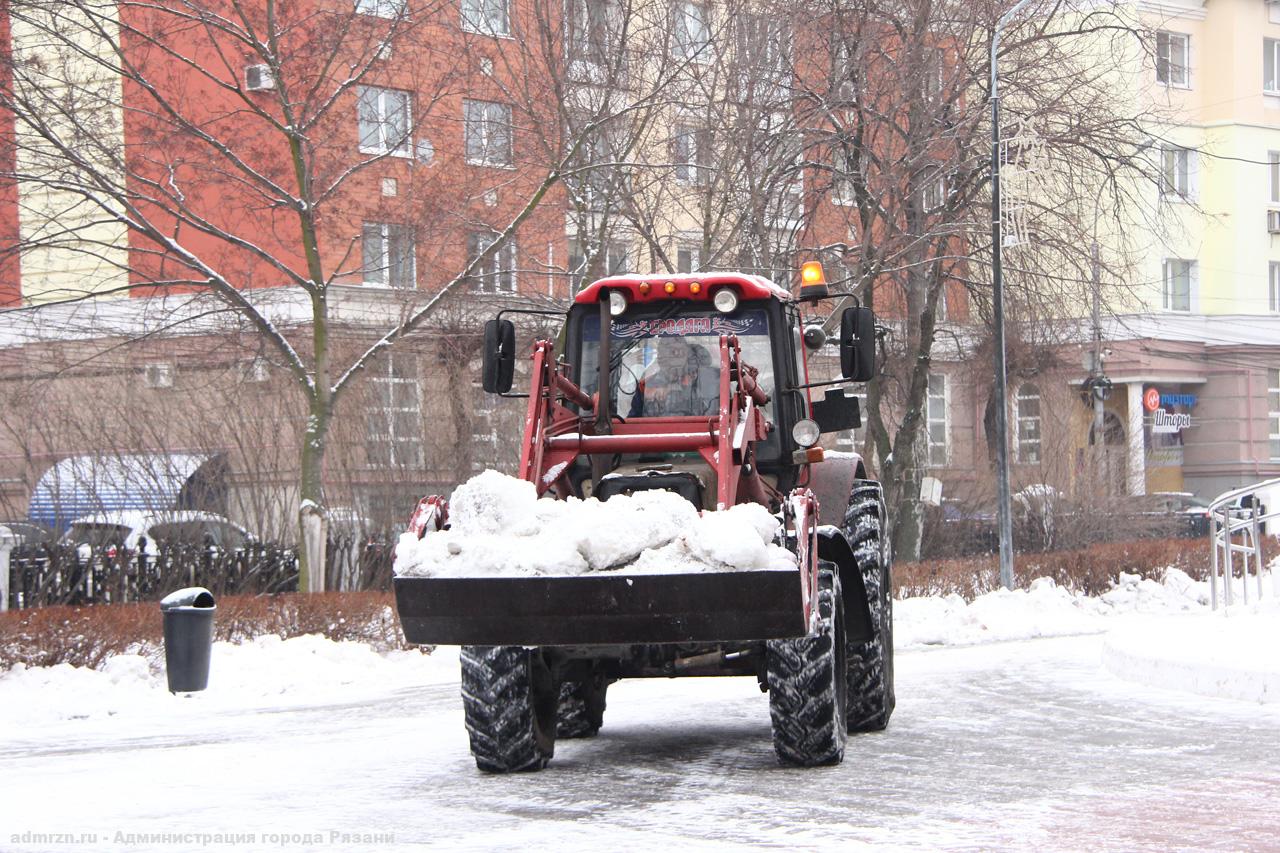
(1004, 513)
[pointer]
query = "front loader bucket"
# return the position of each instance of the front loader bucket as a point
(604, 609)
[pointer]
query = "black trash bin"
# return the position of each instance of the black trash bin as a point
(188, 638)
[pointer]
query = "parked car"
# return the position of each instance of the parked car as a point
(1189, 514)
(137, 530)
(29, 533)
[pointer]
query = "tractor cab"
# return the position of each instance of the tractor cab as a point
(693, 362)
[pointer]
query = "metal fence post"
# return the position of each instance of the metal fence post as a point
(1214, 533)
(7, 541)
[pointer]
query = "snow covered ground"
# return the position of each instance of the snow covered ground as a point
(1000, 741)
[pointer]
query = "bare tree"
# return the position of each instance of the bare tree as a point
(210, 147)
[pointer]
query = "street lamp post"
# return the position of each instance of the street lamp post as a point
(1004, 513)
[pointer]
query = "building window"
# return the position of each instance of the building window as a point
(387, 255)
(158, 374)
(385, 121)
(688, 260)
(486, 17)
(1271, 66)
(1175, 173)
(692, 34)
(593, 30)
(763, 43)
(487, 128)
(497, 274)
(936, 416)
(933, 193)
(1027, 423)
(1273, 175)
(691, 151)
(842, 172)
(616, 262)
(1273, 287)
(381, 8)
(1273, 409)
(395, 412)
(1178, 275)
(1173, 59)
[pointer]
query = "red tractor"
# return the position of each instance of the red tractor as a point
(731, 420)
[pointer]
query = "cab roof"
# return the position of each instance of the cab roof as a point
(749, 286)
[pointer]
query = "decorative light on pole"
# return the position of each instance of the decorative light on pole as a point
(1004, 512)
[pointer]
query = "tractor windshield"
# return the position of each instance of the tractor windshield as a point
(664, 366)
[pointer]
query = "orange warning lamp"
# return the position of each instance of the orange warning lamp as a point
(813, 281)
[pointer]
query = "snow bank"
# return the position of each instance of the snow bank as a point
(1229, 653)
(499, 527)
(264, 672)
(1044, 610)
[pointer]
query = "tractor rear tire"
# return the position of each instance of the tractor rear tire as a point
(807, 687)
(581, 707)
(509, 706)
(870, 674)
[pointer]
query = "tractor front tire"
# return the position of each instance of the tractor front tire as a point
(509, 706)
(581, 707)
(870, 673)
(807, 688)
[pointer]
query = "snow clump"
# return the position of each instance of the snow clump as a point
(499, 527)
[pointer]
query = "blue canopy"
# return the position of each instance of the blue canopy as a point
(80, 485)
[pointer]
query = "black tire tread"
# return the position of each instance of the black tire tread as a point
(499, 709)
(806, 687)
(580, 709)
(870, 663)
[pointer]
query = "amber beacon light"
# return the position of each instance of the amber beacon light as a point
(813, 281)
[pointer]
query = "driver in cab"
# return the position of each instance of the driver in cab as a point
(678, 381)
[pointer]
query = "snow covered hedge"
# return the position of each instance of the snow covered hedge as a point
(87, 636)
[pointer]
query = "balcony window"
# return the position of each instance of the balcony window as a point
(1173, 59)
(486, 17)
(487, 132)
(387, 255)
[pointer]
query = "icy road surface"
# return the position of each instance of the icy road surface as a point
(1008, 746)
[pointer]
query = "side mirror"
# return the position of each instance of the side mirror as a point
(499, 362)
(858, 344)
(837, 412)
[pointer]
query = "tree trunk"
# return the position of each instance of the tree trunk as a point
(312, 517)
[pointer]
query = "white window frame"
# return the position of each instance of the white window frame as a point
(938, 453)
(381, 8)
(1166, 282)
(378, 273)
(691, 159)
(933, 192)
(592, 30)
(498, 273)
(690, 43)
(158, 374)
(1273, 11)
(1182, 43)
(391, 373)
(1271, 55)
(841, 182)
(1273, 287)
(486, 17)
(693, 253)
(385, 103)
(1273, 177)
(1177, 179)
(1273, 409)
(1030, 451)
(486, 120)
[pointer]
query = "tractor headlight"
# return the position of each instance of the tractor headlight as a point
(726, 300)
(617, 302)
(805, 433)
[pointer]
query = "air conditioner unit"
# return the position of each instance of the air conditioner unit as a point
(257, 78)
(1273, 221)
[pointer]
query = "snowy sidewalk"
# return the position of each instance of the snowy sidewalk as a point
(1231, 653)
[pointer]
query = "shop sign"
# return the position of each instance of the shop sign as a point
(1164, 421)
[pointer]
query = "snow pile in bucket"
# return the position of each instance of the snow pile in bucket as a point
(499, 527)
